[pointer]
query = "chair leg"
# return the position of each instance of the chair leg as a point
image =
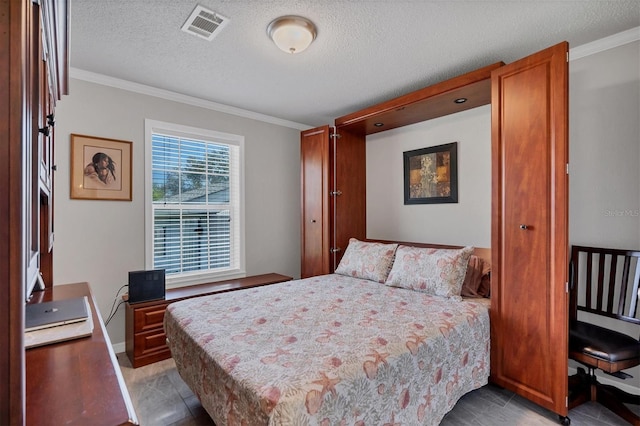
(579, 388)
(614, 399)
(585, 387)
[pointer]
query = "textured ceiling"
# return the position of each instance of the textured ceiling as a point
(365, 52)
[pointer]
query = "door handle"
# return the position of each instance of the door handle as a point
(524, 227)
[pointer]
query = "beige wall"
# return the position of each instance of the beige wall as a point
(605, 148)
(100, 241)
(604, 137)
(467, 222)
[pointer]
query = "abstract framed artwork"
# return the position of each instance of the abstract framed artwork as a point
(431, 175)
(100, 168)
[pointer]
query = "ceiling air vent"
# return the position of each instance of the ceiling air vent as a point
(204, 23)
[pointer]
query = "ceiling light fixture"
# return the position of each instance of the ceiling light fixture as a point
(460, 100)
(292, 34)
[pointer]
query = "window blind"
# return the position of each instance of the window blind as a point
(195, 197)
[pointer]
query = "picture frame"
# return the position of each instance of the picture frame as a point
(100, 168)
(431, 175)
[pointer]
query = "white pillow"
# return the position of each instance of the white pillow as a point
(439, 272)
(367, 260)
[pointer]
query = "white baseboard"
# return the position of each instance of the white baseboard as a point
(118, 347)
(604, 379)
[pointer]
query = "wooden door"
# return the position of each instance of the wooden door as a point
(44, 153)
(315, 169)
(348, 206)
(529, 300)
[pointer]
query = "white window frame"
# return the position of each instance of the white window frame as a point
(237, 226)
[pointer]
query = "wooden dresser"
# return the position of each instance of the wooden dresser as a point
(77, 382)
(145, 338)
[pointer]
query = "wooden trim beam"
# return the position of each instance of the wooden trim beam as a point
(425, 104)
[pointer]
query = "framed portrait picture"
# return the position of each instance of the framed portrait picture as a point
(431, 175)
(100, 168)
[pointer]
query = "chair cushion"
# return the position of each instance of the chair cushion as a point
(602, 343)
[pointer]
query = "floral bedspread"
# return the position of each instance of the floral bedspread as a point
(329, 350)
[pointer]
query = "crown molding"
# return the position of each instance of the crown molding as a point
(578, 52)
(177, 97)
(606, 43)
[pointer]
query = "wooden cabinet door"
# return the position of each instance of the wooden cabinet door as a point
(349, 202)
(315, 174)
(529, 300)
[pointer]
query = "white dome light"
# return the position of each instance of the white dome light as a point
(292, 34)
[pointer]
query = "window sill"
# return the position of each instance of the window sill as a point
(185, 281)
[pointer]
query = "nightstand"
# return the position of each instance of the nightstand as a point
(145, 338)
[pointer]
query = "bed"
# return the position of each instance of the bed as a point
(367, 345)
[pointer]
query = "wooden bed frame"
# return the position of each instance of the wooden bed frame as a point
(481, 252)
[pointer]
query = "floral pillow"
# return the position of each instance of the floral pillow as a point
(369, 261)
(439, 272)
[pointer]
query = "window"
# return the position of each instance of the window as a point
(194, 203)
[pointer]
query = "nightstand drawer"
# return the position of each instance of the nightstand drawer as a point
(150, 342)
(149, 318)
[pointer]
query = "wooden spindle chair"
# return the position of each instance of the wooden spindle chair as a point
(604, 283)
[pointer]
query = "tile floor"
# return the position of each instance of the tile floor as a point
(161, 398)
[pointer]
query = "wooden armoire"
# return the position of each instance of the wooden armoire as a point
(333, 163)
(33, 76)
(529, 116)
(333, 196)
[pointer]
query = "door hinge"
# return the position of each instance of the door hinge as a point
(567, 168)
(334, 193)
(566, 286)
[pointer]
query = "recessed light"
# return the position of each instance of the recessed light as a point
(460, 100)
(378, 124)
